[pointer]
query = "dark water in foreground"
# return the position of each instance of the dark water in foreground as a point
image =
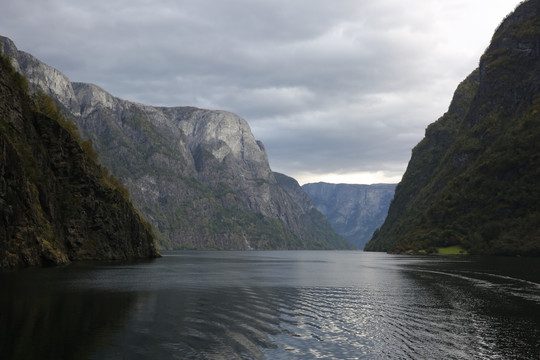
(275, 305)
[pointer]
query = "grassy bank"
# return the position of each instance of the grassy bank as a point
(452, 250)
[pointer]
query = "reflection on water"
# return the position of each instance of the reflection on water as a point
(39, 320)
(275, 305)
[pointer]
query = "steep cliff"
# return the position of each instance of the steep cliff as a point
(473, 180)
(315, 223)
(198, 176)
(355, 211)
(57, 204)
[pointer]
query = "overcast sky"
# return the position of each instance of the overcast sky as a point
(337, 90)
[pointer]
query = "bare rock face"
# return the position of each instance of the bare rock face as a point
(198, 176)
(225, 133)
(43, 76)
(355, 211)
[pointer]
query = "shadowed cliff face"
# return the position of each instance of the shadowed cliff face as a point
(56, 203)
(473, 180)
(198, 176)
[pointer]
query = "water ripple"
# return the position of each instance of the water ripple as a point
(320, 305)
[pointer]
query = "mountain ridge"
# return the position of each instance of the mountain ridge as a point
(355, 211)
(198, 176)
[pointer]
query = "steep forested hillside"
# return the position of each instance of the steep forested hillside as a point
(473, 181)
(56, 203)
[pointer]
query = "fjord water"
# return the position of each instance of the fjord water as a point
(275, 305)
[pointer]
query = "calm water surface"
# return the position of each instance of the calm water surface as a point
(275, 305)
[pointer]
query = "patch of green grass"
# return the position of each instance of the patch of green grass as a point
(452, 250)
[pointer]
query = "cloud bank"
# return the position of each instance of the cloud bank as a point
(338, 91)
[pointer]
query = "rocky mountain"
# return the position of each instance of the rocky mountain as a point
(472, 182)
(354, 211)
(198, 176)
(57, 204)
(312, 218)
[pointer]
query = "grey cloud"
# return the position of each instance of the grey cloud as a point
(328, 86)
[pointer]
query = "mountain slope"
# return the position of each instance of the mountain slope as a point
(198, 176)
(354, 211)
(316, 223)
(473, 180)
(56, 203)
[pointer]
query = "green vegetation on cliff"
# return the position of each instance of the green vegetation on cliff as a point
(57, 204)
(473, 180)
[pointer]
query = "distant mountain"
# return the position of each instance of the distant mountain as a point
(354, 211)
(198, 176)
(473, 181)
(312, 217)
(57, 204)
